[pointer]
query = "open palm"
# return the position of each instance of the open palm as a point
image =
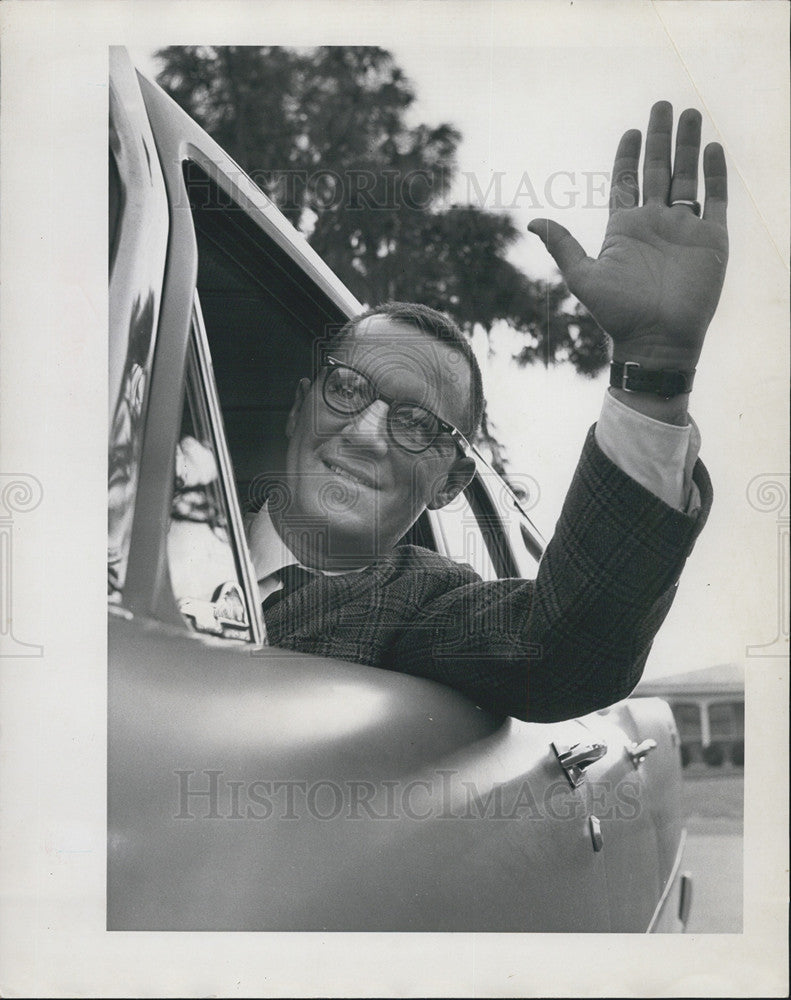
(657, 280)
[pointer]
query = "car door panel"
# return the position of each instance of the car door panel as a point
(410, 809)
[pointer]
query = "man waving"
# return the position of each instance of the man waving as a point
(381, 432)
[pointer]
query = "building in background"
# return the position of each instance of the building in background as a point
(708, 706)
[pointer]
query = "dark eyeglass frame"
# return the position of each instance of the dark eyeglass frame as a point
(332, 363)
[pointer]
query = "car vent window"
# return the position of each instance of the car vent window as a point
(204, 552)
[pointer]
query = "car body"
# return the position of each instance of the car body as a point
(255, 788)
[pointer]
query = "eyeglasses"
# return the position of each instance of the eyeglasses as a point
(414, 428)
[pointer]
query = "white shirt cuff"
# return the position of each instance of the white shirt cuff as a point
(657, 455)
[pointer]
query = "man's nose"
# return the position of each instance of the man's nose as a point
(368, 429)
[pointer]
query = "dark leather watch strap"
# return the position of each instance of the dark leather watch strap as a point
(667, 382)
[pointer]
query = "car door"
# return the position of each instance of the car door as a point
(253, 788)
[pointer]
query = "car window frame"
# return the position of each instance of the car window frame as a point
(512, 545)
(445, 526)
(523, 541)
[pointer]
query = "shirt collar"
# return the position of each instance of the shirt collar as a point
(268, 551)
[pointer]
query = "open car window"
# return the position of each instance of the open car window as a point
(265, 321)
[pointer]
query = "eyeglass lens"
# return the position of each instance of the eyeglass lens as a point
(412, 426)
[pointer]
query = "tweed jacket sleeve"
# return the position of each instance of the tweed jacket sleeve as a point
(577, 638)
(572, 641)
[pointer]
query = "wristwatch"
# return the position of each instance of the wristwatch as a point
(667, 382)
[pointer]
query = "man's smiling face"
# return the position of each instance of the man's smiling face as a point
(353, 490)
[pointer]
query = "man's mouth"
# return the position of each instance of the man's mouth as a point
(356, 476)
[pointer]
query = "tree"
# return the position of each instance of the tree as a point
(324, 133)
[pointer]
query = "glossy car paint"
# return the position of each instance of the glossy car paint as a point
(138, 233)
(410, 808)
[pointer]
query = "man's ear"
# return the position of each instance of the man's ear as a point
(302, 390)
(459, 476)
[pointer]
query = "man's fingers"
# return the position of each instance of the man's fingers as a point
(561, 244)
(624, 191)
(685, 166)
(656, 169)
(716, 177)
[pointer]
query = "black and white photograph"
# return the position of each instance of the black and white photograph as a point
(409, 383)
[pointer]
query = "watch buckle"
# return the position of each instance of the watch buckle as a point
(626, 373)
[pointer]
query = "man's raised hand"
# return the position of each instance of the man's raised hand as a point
(657, 280)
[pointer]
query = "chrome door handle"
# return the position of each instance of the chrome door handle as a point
(574, 759)
(639, 751)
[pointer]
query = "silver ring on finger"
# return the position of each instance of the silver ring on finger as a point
(694, 205)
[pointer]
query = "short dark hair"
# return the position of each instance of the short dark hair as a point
(437, 325)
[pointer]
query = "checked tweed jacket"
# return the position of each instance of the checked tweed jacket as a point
(572, 641)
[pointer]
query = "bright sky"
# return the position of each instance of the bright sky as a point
(546, 121)
(542, 96)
